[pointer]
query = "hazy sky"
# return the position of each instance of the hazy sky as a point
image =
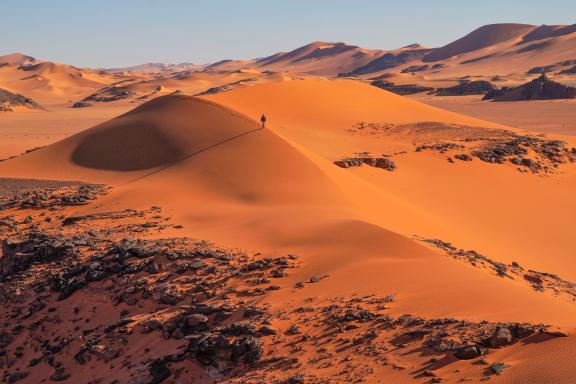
(109, 33)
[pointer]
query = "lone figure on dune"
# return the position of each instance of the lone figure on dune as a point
(263, 120)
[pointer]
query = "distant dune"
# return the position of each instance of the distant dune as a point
(483, 37)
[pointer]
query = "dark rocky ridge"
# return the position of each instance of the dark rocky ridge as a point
(480, 87)
(403, 90)
(541, 88)
(9, 100)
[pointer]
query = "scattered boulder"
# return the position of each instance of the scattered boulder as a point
(81, 104)
(382, 162)
(498, 368)
(467, 352)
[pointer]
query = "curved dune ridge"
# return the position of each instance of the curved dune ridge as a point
(211, 167)
(483, 37)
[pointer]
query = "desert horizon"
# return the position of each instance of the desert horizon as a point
(324, 214)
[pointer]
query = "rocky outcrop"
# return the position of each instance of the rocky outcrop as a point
(381, 162)
(9, 101)
(465, 88)
(403, 90)
(81, 104)
(541, 88)
(39, 247)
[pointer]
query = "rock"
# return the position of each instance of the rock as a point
(196, 319)
(100, 351)
(498, 368)
(267, 330)
(382, 163)
(385, 163)
(296, 379)
(536, 280)
(71, 286)
(249, 348)
(467, 352)
(59, 375)
(501, 337)
(293, 330)
(403, 90)
(37, 248)
(81, 104)
(158, 371)
(480, 87)
(16, 377)
(541, 88)
(463, 157)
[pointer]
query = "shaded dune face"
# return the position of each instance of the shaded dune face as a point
(157, 134)
(127, 147)
(153, 136)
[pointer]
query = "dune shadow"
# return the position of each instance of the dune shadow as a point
(129, 147)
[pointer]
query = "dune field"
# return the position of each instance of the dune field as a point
(153, 229)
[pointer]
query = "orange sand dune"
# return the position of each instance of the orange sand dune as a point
(47, 82)
(483, 37)
(527, 225)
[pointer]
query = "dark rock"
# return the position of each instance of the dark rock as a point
(480, 87)
(81, 104)
(541, 88)
(403, 90)
(296, 379)
(196, 319)
(248, 348)
(16, 377)
(498, 368)
(501, 337)
(59, 375)
(467, 352)
(159, 371)
(463, 157)
(267, 330)
(71, 286)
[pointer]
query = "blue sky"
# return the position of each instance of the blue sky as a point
(111, 33)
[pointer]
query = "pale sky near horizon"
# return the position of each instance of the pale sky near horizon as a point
(108, 33)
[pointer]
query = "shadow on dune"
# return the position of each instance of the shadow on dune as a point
(131, 147)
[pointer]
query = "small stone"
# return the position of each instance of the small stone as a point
(498, 368)
(196, 319)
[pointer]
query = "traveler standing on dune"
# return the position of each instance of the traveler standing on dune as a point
(263, 120)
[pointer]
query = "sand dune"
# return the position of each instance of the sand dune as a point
(483, 37)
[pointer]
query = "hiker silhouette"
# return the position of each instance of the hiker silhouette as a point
(263, 120)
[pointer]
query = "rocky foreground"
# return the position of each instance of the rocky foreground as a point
(109, 298)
